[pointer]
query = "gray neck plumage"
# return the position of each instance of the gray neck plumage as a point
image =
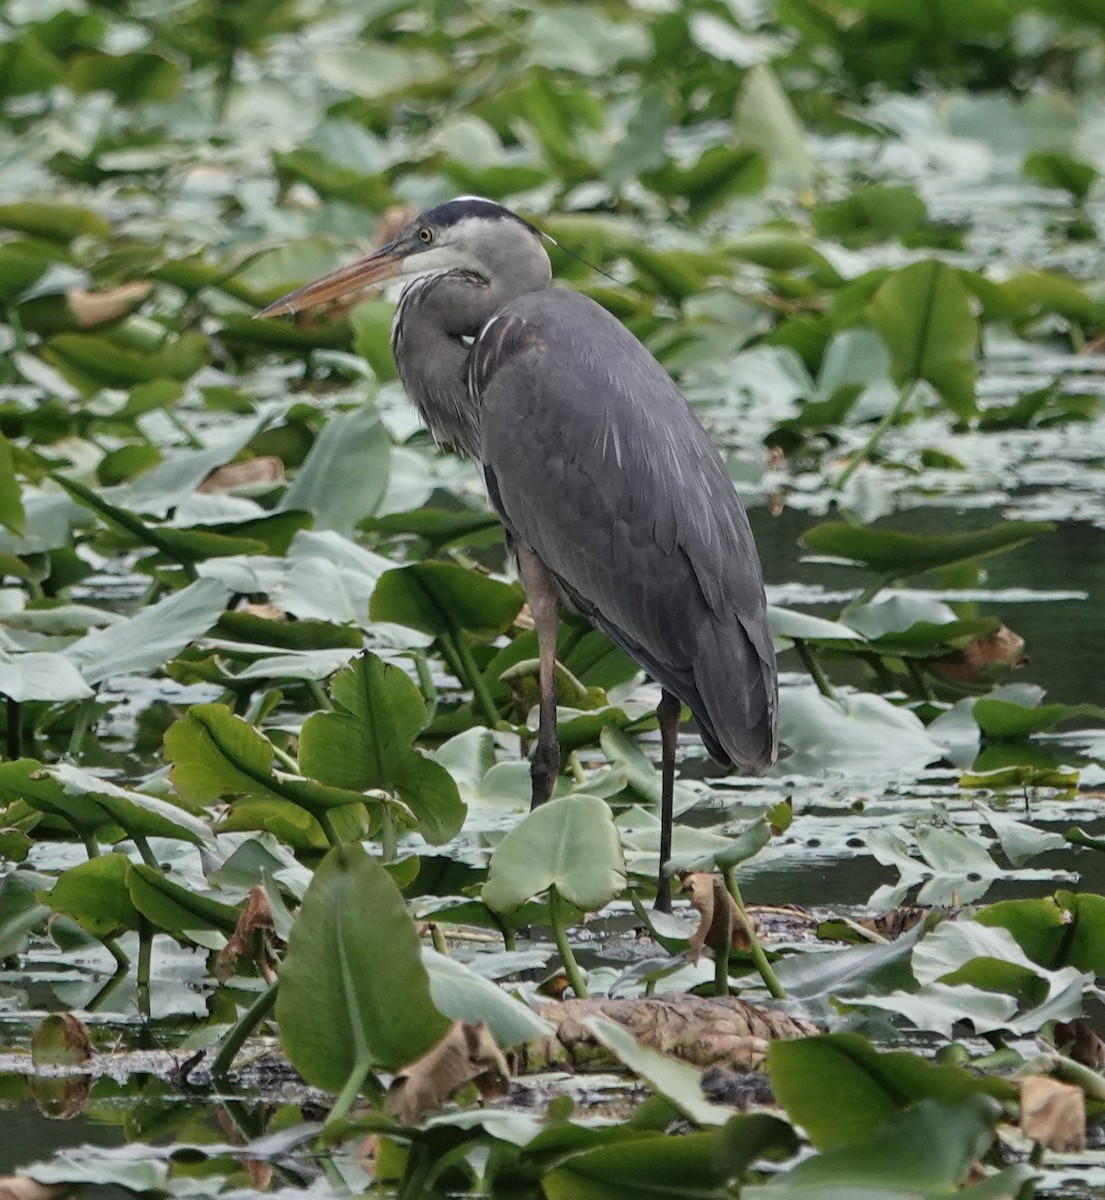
(438, 318)
(435, 324)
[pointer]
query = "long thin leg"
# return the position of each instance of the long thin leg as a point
(544, 604)
(667, 713)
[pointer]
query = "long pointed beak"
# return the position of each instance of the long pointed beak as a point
(373, 269)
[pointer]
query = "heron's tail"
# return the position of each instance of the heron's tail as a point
(738, 688)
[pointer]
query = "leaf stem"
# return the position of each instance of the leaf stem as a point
(15, 729)
(118, 953)
(349, 1093)
(560, 936)
(148, 856)
(426, 683)
(576, 768)
(323, 818)
(809, 661)
(257, 1011)
(145, 956)
(757, 951)
(721, 954)
(81, 720)
(438, 939)
(388, 838)
(888, 418)
(285, 759)
(472, 676)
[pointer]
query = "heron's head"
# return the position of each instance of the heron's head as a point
(468, 233)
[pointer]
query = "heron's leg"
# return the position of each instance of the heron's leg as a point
(667, 713)
(544, 604)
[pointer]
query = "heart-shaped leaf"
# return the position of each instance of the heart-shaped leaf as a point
(571, 844)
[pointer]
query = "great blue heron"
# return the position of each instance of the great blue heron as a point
(611, 492)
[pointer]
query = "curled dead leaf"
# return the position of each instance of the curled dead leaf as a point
(90, 309)
(982, 658)
(1078, 1041)
(720, 920)
(268, 611)
(1053, 1113)
(703, 1030)
(19, 1187)
(61, 1040)
(466, 1054)
(899, 920)
(265, 468)
(250, 937)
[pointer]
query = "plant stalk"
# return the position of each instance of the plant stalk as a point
(236, 1037)
(759, 958)
(15, 729)
(323, 818)
(388, 836)
(809, 661)
(721, 954)
(81, 720)
(560, 936)
(349, 1093)
(471, 675)
(145, 956)
(887, 419)
(148, 856)
(426, 683)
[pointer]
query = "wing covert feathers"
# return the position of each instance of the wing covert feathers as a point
(595, 460)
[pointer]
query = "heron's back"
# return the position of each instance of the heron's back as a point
(595, 460)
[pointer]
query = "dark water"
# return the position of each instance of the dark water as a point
(1064, 639)
(27, 1136)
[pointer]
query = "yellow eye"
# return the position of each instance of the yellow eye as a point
(425, 235)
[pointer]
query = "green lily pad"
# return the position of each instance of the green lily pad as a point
(902, 554)
(439, 598)
(353, 990)
(570, 844)
(95, 895)
(367, 743)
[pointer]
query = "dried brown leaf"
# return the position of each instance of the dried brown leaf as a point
(19, 1187)
(269, 611)
(899, 920)
(466, 1054)
(61, 1039)
(1078, 1041)
(700, 1029)
(720, 920)
(1053, 1113)
(982, 658)
(265, 468)
(99, 308)
(248, 938)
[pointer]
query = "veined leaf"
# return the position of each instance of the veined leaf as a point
(923, 314)
(353, 988)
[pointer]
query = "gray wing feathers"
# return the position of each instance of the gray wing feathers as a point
(596, 461)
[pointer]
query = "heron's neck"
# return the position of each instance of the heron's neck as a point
(435, 324)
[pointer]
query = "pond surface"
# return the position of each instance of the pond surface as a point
(315, 145)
